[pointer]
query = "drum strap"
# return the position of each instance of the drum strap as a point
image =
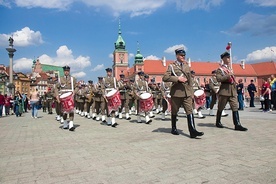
(215, 83)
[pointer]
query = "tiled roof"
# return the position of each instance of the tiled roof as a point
(47, 68)
(265, 68)
(155, 66)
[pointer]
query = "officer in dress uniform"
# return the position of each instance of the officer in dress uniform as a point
(227, 92)
(66, 84)
(140, 87)
(110, 83)
(196, 86)
(124, 87)
(181, 91)
(214, 86)
(100, 101)
(165, 88)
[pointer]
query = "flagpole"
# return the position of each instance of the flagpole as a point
(230, 52)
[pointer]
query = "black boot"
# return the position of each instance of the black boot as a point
(191, 125)
(236, 120)
(174, 130)
(218, 123)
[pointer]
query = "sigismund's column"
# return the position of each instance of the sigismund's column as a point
(11, 52)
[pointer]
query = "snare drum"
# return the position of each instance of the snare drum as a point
(114, 100)
(200, 98)
(67, 102)
(145, 102)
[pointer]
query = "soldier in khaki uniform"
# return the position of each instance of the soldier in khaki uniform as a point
(80, 97)
(57, 105)
(146, 79)
(155, 94)
(88, 99)
(181, 91)
(214, 86)
(132, 98)
(165, 88)
(49, 97)
(140, 87)
(227, 92)
(100, 101)
(110, 83)
(196, 86)
(124, 87)
(66, 84)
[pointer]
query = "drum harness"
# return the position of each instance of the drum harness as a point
(66, 90)
(109, 89)
(140, 90)
(166, 89)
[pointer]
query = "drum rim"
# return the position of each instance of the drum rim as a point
(64, 95)
(111, 92)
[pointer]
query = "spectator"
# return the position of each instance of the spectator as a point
(18, 107)
(265, 94)
(2, 103)
(273, 91)
(7, 104)
(34, 100)
(240, 94)
(251, 90)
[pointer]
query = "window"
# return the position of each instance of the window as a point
(244, 79)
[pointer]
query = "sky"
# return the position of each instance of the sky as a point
(82, 33)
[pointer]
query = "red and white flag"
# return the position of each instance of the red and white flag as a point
(228, 47)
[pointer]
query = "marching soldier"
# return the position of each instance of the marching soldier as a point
(165, 90)
(80, 97)
(133, 100)
(88, 99)
(140, 87)
(146, 78)
(49, 97)
(124, 87)
(99, 104)
(44, 102)
(57, 105)
(66, 84)
(214, 86)
(181, 91)
(155, 94)
(196, 86)
(110, 83)
(227, 92)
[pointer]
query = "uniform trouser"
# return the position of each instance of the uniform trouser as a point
(233, 101)
(125, 104)
(98, 105)
(156, 102)
(213, 101)
(80, 106)
(186, 102)
(93, 106)
(71, 116)
(49, 106)
(58, 108)
(164, 105)
(88, 106)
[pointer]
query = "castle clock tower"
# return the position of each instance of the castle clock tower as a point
(120, 56)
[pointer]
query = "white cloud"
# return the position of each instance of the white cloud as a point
(98, 67)
(266, 54)
(110, 55)
(131, 55)
(151, 57)
(266, 3)
(256, 24)
(22, 64)
(22, 38)
(188, 5)
(171, 50)
(79, 75)
(58, 4)
(117, 7)
(64, 57)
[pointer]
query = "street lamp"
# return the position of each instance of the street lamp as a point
(11, 52)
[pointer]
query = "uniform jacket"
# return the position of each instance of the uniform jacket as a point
(65, 85)
(214, 84)
(98, 91)
(228, 86)
(140, 86)
(109, 83)
(179, 89)
(124, 88)
(165, 88)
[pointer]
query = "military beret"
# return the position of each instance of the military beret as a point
(66, 67)
(146, 76)
(100, 78)
(122, 75)
(90, 81)
(214, 71)
(225, 54)
(180, 51)
(141, 73)
(192, 72)
(108, 70)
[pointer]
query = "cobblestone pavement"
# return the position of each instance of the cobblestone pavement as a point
(39, 151)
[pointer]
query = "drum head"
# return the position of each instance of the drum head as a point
(66, 95)
(145, 95)
(111, 93)
(198, 92)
